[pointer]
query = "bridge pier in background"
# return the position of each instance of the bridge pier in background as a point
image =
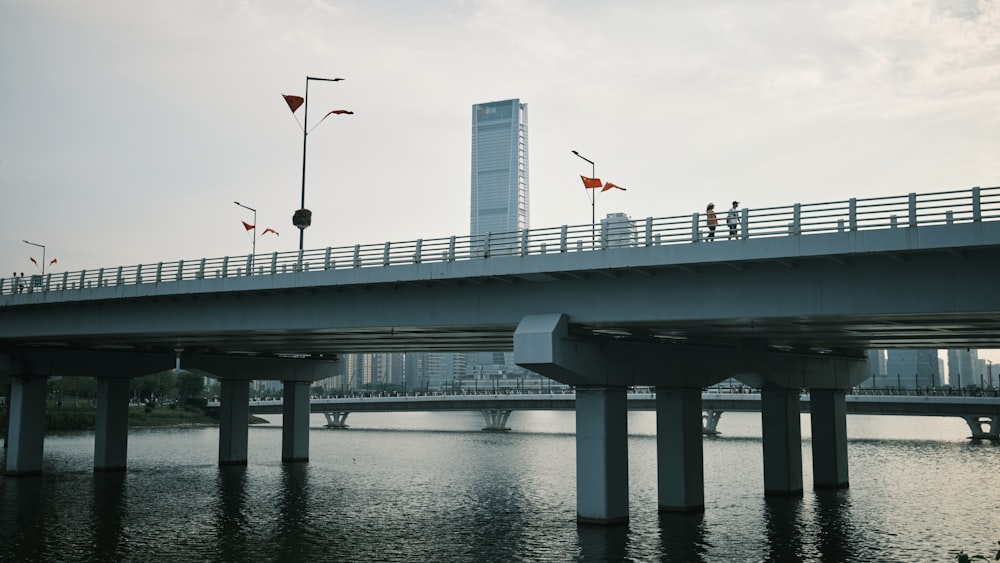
(234, 421)
(111, 424)
(496, 419)
(27, 426)
(336, 419)
(710, 422)
(986, 427)
(679, 452)
(828, 417)
(601, 455)
(782, 441)
(295, 421)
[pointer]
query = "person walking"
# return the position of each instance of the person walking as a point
(733, 219)
(711, 220)
(20, 283)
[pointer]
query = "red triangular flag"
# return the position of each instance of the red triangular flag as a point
(609, 185)
(294, 102)
(247, 226)
(590, 182)
(33, 261)
(53, 261)
(270, 230)
(340, 112)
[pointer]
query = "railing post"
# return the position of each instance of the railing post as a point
(913, 209)
(225, 267)
(451, 249)
(745, 223)
(100, 277)
(249, 265)
(977, 205)
(524, 242)
(949, 217)
(357, 255)
(385, 254)
(118, 277)
(649, 231)
(180, 270)
(418, 251)
(563, 238)
(159, 272)
(274, 263)
(45, 284)
(298, 261)
(852, 214)
(83, 277)
(486, 245)
(326, 258)
(65, 282)
(695, 231)
(138, 274)
(604, 235)
(201, 270)
(797, 219)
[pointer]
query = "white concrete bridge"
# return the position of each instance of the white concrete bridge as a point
(791, 304)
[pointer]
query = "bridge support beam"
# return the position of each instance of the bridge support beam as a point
(601, 455)
(496, 419)
(27, 426)
(336, 419)
(679, 454)
(111, 424)
(782, 437)
(828, 416)
(985, 427)
(295, 421)
(234, 421)
(710, 422)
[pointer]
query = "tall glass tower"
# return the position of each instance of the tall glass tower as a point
(499, 167)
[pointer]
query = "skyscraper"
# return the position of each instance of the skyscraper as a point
(499, 167)
(910, 369)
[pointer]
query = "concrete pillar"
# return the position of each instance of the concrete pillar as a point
(601, 455)
(782, 433)
(234, 416)
(111, 425)
(828, 416)
(679, 454)
(27, 426)
(295, 422)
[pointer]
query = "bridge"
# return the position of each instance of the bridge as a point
(981, 413)
(791, 304)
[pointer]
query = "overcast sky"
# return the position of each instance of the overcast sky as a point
(129, 127)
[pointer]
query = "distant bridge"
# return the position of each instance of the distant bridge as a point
(982, 414)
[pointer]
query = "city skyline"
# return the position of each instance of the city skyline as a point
(113, 156)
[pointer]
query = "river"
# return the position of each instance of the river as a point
(433, 487)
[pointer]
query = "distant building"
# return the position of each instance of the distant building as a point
(908, 369)
(963, 364)
(876, 369)
(618, 230)
(499, 189)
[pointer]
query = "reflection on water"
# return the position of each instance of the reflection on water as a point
(412, 494)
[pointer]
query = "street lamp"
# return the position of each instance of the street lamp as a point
(303, 217)
(42, 246)
(593, 196)
(253, 251)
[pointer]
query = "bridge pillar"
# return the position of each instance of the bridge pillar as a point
(111, 424)
(782, 437)
(496, 419)
(986, 427)
(27, 426)
(295, 421)
(828, 416)
(710, 422)
(234, 425)
(336, 419)
(679, 454)
(601, 455)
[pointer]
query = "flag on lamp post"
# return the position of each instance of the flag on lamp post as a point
(270, 230)
(609, 185)
(294, 102)
(248, 226)
(589, 183)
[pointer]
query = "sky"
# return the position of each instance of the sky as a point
(128, 128)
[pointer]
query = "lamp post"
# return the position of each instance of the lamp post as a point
(42, 246)
(253, 251)
(303, 217)
(593, 196)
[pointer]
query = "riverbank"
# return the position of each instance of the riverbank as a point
(84, 417)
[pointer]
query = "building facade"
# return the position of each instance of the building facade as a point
(910, 369)
(499, 195)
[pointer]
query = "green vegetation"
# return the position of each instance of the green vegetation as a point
(168, 398)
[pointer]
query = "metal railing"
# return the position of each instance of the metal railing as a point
(911, 210)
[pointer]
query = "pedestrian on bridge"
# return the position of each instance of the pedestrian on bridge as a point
(711, 220)
(733, 219)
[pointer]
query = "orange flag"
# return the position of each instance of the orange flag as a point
(340, 112)
(53, 261)
(33, 261)
(270, 230)
(293, 101)
(609, 185)
(247, 226)
(590, 182)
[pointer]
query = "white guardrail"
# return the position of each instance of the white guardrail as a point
(911, 210)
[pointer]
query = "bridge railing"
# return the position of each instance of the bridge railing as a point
(910, 210)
